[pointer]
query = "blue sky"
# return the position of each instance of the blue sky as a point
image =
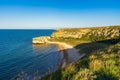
(58, 13)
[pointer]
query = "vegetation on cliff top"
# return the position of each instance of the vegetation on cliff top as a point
(89, 34)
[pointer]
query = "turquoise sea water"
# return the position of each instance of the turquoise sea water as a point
(19, 55)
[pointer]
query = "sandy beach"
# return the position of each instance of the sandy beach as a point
(69, 54)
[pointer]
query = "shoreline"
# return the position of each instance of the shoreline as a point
(69, 54)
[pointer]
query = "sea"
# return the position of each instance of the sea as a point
(18, 56)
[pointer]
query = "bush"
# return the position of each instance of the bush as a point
(84, 74)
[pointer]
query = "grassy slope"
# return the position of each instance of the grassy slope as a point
(102, 64)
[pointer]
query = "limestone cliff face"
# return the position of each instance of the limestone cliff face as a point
(42, 39)
(97, 33)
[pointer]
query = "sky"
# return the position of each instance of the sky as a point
(49, 14)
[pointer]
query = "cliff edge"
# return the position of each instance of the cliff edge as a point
(41, 40)
(92, 34)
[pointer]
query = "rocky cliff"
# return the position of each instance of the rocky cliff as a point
(96, 33)
(42, 39)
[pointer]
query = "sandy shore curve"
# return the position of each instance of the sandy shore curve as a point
(69, 54)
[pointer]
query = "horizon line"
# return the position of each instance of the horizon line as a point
(57, 28)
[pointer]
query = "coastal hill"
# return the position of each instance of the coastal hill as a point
(93, 34)
(101, 49)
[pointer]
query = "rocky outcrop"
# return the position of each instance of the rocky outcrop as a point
(96, 33)
(42, 39)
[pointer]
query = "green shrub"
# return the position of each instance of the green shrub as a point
(84, 74)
